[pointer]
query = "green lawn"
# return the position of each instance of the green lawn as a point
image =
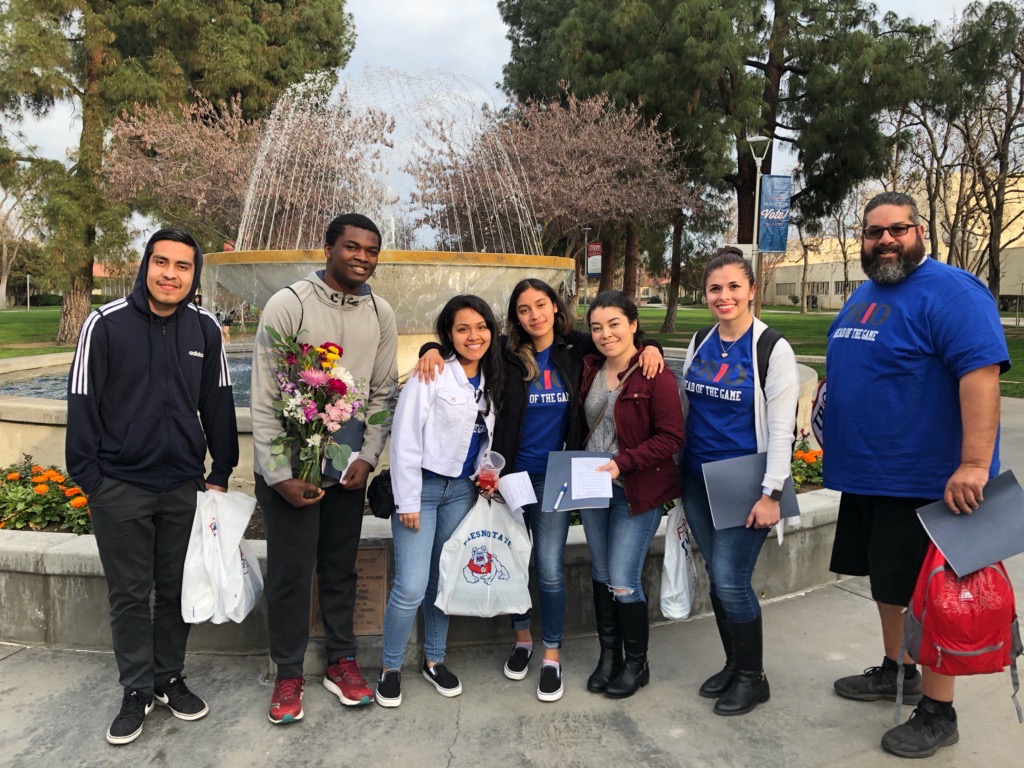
(29, 332)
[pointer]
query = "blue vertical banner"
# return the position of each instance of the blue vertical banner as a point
(773, 228)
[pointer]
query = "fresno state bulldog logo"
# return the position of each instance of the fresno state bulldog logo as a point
(483, 566)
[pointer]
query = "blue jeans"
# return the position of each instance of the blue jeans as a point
(444, 502)
(729, 554)
(549, 531)
(618, 543)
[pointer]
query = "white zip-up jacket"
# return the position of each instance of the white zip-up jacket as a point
(432, 429)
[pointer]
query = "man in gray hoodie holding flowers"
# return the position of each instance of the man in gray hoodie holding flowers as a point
(305, 523)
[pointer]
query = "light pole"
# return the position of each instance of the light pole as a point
(586, 261)
(759, 146)
(28, 292)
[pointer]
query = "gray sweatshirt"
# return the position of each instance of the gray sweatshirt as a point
(369, 340)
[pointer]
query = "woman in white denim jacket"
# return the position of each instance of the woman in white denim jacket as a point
(729, 415)
(442, 429)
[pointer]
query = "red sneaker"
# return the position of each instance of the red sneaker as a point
(344, 680)
(286, 701)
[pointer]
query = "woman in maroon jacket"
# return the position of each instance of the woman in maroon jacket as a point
(640, 422)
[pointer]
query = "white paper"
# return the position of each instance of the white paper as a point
(586, 482)
(517, 490)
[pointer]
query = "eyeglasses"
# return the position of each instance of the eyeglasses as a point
(896, 230)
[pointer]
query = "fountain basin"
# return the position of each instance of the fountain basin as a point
(416, 283)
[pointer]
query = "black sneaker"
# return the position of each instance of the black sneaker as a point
(128, 724)
(389, 689)
(550, 686)
(518, 663)
(183, 704)
(924, 734)
(447, 684)
(879, 683)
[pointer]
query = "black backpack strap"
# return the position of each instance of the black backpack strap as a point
(765, 344)
(302, 309)
(700, 335)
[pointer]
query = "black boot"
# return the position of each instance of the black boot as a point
(635, 673)
(609, 636)
(720, 682)
(750, 687)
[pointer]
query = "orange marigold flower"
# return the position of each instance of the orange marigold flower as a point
(72, 491)
(78, 502)
(799, 456)
(42, 489)
(36, 468)
(39, 479)
(811, 459)
(14, 476)
(53, 475)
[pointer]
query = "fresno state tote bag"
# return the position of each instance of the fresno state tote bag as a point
(484, 566)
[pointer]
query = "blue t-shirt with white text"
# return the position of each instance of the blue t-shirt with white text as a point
(479, 430)
(720, 392)
(546, 419)
(894, 360)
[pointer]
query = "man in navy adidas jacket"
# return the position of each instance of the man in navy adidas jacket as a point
(148, 392)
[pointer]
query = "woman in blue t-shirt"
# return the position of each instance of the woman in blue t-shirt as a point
(542, 359)
(442, 428)
(727, 416)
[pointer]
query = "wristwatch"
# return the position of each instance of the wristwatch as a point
(773, 495)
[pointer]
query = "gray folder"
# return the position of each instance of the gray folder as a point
(993, 532)
(560, 471)
(350, 434)
(734, 486)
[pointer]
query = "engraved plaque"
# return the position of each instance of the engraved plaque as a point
(371, 594)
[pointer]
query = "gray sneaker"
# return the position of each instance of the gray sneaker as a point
(878, 684)
(924, 734)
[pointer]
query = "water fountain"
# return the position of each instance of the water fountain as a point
(427, 167)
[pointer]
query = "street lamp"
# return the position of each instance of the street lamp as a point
(586, 261)
(759, 146)
(28, 292)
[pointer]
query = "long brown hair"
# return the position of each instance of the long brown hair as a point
(519, 341)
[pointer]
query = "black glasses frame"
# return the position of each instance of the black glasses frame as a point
(896, 230)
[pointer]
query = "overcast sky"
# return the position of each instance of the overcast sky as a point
(464, 37)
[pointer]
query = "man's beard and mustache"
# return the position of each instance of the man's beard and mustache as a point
(891, 272)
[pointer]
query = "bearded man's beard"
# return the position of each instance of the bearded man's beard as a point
(891, 272)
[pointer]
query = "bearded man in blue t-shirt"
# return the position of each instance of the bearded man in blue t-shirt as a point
(913, 366)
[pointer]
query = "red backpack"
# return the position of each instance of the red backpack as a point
(962, 626)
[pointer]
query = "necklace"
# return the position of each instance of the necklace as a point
(725, 352)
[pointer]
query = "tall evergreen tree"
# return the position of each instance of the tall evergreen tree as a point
(813, 74)
(105, 56)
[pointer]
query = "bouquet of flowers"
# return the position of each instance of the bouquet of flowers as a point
(317, 396)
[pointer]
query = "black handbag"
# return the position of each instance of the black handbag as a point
(379, 495)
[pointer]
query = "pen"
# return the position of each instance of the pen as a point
(561, 493)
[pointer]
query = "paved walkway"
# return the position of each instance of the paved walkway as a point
(58, 704)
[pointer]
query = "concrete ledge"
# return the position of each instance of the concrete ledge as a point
(52, 590)
(31, 362)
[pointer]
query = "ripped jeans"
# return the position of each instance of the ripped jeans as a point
(618, 543)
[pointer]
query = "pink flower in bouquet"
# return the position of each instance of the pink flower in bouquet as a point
(310, 411)
(291, 359)
(314, 377)
(338, 387)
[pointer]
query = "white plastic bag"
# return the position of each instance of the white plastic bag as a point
(222, 579)
(679, 571)
(485, 565)
(198, 601)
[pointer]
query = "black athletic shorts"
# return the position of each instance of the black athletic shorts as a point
(882, 538)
